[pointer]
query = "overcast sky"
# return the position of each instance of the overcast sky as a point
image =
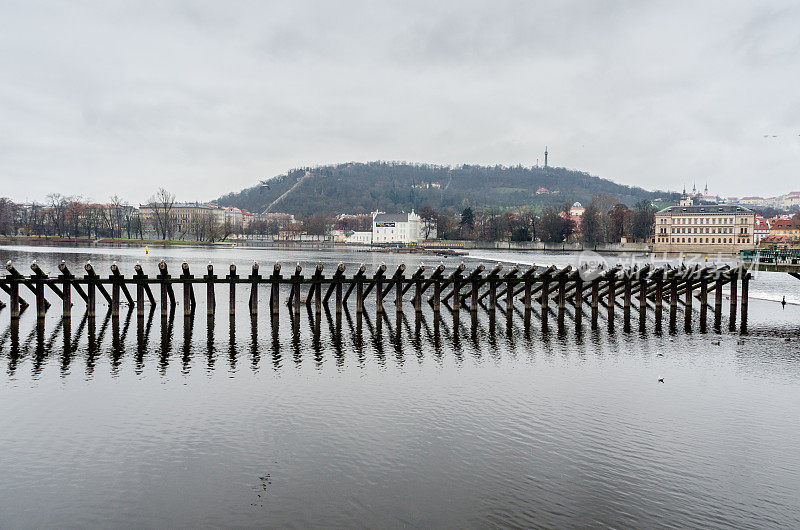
(102, 98)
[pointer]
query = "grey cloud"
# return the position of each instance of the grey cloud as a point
(98, 98)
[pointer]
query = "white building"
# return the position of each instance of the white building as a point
(399, 228)
(359, 238)
(233, 216)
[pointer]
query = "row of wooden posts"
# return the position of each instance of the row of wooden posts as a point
(599, 286)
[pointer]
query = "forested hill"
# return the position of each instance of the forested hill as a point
(396, 187)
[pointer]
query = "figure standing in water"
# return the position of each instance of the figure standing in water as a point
(783, 302)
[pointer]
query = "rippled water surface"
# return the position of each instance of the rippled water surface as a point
(398, 421)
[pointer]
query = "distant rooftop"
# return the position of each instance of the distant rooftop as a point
(705, 208)
(391, 218)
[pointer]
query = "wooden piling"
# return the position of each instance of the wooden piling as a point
(67, 277)
(15, 274)
(687, 300)
(66, 288)
(562, 299)
(745, 299)
(91, 289)
(626, 301)
(578, 301)
(612, 292)
(296, 281)
(232, 277)
(163, 276)
(188, 290)
(141, 289)
(275, 290)
(673, 296)
(398, 289)
(358, 281)
(642, 302)
(15, 299)
(735, 274)
(90, 272)
(115, 289)
(40, 309)
(418, 277)
(254, 279)
(658, 279)
(718, 301)
(703, 300)
(595, 301)
(211, 297)
(117, 275)
(316, 290)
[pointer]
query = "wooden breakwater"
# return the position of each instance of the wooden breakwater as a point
(586, 291)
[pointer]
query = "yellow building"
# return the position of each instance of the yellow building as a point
(785, 227)
(180, 218)
(706, 228)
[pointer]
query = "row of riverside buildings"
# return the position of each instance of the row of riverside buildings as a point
(183, 215)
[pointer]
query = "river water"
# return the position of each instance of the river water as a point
(457, 422)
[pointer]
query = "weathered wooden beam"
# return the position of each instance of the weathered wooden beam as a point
(40, 274)
(435, 276)
(358, 278)
(336, 279)
(15, 274)
(117, 275)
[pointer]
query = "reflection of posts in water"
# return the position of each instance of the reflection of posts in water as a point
(254, 354)
(232, 341)
(67, 334)
(210, 339)
(276, 341)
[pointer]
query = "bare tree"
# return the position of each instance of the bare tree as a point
(161, 204)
